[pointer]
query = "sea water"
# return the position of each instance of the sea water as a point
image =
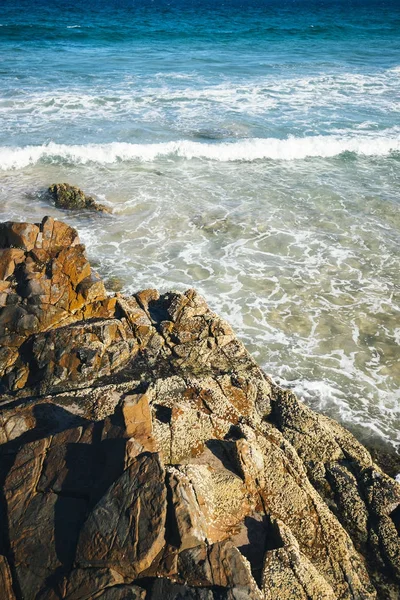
(249, 149)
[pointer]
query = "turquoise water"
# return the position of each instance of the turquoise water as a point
(248, 149)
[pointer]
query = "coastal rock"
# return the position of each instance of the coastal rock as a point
(144, 454)
(47, 282)
(287, 573)
(364, 498)
(125, 530)
(71, 197)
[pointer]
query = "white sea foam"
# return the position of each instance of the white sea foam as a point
(292, 148)
(190, 97)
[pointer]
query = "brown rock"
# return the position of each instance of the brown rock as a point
(18, 235)
(73, 356)
(219, 565)
(43, 528)
(82, 584)
(341, 470)
(287, 573)
(6, 586)
(191, 525)
(164, 589)
(125, 530)
(71, 197)
(49, 284)
(9, 258)
(91, 288)
(123, 592)
(138, 422)
(137, 318)
(55, 235)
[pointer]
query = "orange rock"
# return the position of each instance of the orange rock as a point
(92, 288)
(18, 235)
(9, 258)
(137, 416)
(73, 263)
(57, 235)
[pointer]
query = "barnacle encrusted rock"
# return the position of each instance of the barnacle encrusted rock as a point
(145, 455)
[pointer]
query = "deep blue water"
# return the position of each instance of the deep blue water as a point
(128, 60)
(248, 149)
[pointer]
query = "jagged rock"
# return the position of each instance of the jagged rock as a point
(144, 454)
(191, 525)
(138, 422)
(74, 356)
(341, 469)
(47, 283)
(71, 197)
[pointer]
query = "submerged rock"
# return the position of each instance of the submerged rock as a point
(145, 455)
(71, 197)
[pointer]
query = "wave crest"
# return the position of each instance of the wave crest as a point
(252, 149)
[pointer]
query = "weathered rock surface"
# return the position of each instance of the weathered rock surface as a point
(71, 197)
(144, 454)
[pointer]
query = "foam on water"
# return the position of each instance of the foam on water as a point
(192, 97)
(246, 150)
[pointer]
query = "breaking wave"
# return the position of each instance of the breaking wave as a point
(292, 148)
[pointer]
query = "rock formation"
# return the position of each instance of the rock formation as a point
(145, 455)
(71, 197)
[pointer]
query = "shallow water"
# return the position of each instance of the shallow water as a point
(252, 152)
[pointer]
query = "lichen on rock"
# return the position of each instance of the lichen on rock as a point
(145, 455)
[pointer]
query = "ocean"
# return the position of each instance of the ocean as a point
(248, 149)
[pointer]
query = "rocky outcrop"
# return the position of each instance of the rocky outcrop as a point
(71, 197)
(144, 454)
